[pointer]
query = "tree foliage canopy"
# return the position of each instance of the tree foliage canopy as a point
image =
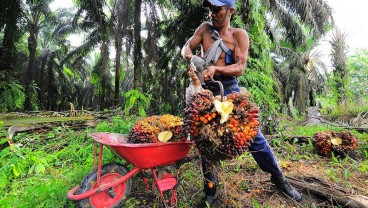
(146, 37)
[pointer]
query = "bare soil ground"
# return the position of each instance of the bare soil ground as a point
(245, 185)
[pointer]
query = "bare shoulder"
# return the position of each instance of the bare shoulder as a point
(205, 26)
(240, 34)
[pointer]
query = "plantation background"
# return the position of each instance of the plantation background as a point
(128, 67)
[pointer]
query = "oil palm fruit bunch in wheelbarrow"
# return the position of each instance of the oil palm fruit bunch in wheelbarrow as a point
(340, 143)
(156, 129)
(221, 129)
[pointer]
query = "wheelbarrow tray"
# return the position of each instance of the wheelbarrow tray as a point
(145, 156)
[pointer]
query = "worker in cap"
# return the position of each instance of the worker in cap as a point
(225, 52)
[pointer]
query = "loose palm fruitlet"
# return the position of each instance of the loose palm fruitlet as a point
(340, 143)
(221, 130)
(148, 130)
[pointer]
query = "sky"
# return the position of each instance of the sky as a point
(350, 17)
(75, 39)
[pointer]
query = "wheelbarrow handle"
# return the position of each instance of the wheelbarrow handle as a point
(199, 65)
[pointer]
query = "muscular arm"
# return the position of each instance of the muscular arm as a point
(193, 42)
(241, 55)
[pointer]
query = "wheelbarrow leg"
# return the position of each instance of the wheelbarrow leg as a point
(167, 182)
(99, 163)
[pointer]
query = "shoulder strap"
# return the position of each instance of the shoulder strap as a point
(214, 52)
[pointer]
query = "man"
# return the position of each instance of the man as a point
(225, 51)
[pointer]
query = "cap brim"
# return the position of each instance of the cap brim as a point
(208, 3)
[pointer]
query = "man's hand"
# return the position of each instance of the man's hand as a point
(186, 52)
(209, 72)
(195, 80)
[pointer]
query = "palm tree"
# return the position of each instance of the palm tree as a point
(293, 18)
(137, 44)
(295, 28)
(166, 76)
(10, 22)
(299, 76)
(11, 93)
(121, 20)
(339, 66)
(289, 24)
(37, 14)
(56, 76)
(95, 21)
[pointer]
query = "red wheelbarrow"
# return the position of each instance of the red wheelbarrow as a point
(109, 185)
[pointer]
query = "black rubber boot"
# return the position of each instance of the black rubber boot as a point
(207, 201)
(210, 183)
(286, 187)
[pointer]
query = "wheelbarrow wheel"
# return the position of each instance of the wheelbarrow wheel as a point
(113, 197)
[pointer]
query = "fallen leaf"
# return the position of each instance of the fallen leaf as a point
(336, 141)
(165, 136)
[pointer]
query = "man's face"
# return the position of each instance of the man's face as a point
(219, 16)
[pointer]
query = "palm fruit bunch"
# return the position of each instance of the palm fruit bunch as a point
(221, 129)
(156, 129)
(340, 143)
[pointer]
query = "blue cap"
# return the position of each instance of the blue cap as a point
(207, 3)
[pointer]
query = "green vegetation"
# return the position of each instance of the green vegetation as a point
(40, 70)
(12, 96)
(38, 169)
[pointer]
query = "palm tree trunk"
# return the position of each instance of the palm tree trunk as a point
(32, 45)
(12, 11)
(42, 79)
(118, 45)
(51, 100)
(103, 74)
(137, 45)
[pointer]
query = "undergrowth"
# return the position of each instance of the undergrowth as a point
(39, 169)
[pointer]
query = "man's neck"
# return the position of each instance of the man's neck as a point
(224, 29)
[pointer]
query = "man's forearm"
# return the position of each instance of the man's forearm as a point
(186, 52)
(236, 69)
(231, 70)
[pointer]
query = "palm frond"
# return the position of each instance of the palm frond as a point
(339, 49)
(289, 21)
(91, 41)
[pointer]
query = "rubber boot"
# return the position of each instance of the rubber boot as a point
(207, 201)
(210, 184)
(284, 185)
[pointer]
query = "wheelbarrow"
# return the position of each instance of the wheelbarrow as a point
(109, 185)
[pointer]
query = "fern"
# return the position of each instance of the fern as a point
(12, 97)
(33, 97)
(137, 101)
